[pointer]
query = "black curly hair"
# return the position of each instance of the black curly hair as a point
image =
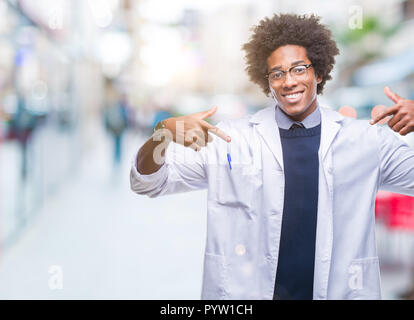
(284, 29)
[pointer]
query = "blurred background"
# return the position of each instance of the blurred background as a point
(82, 84)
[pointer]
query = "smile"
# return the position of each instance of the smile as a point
(294, 96)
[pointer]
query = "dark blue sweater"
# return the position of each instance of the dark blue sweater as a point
(294, 277)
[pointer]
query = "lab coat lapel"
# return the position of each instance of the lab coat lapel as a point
(269, 131)
(329, 129)
(324, 232)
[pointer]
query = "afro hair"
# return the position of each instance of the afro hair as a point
(290, 29)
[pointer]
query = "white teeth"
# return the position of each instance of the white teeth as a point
(292, 95)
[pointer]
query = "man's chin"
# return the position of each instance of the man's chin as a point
(293, 111)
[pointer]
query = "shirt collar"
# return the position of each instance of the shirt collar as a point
(284, 122)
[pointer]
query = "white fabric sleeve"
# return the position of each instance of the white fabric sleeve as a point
(146, 183)
(396, 163)
(183, 170)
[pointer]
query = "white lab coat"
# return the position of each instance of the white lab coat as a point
(245, 204)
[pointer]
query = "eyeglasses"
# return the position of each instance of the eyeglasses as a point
(295, 72)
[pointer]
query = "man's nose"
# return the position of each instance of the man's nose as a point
(289, 80)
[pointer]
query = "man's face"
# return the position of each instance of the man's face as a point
(295, 95)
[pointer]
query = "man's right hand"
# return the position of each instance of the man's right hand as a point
(193, 131)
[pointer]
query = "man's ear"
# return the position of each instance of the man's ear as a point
(318, 79)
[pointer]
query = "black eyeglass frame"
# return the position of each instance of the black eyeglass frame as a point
(288, 70)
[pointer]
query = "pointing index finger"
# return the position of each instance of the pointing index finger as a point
(384, 114)
(217, 131)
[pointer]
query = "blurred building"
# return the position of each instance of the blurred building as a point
(55, 56)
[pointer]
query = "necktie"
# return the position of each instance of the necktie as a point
(296, 126)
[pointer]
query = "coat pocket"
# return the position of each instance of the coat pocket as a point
(364, 279)
(237, 187)
(214, 277)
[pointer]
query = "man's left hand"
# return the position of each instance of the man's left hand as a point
(402, 112)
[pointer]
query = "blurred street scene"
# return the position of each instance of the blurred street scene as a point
(82, 85)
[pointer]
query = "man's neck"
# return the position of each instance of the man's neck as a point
(285, 122)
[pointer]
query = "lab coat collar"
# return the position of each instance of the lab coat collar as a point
(330, 125)
(268, 129)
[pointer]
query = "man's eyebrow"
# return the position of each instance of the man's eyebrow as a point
(297, 62)
(292, 64)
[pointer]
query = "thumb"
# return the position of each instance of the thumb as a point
(208, 113)
(392, 95)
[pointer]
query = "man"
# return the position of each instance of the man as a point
(291, 197)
